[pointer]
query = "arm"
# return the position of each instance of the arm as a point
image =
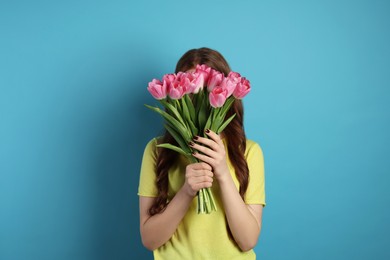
(156, 230)
(244, 220)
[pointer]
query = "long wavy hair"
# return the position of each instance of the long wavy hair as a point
(234, 133)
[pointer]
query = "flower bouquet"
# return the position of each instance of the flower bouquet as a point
(193, 102)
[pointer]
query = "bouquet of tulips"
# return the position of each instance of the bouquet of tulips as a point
(193, 102)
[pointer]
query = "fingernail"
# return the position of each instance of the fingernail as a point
(207, 131)
(191, 143)
(195, 137)
(194, 153)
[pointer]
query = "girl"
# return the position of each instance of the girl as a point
(230, 164)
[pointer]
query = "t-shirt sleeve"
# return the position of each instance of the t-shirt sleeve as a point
(255, 193)
(147, 180)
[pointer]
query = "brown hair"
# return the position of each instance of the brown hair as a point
(234, 133)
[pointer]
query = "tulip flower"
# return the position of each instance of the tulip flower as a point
(229, 84)
(204, 70)
(234, 76)
(177, 89)
(194, 82)
(168, 79)
(242, 88)
(157, 89)
(215, 79)
(218, 97)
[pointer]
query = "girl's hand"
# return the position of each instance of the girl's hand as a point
(212, 152)
(198, 176)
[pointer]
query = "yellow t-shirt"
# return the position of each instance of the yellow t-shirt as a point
(203, 236)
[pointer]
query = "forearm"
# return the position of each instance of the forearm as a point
(243, 225)
(159, 228)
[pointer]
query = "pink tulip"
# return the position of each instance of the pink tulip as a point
(181, 75)
(229, 84)
(168, 79)
(184, 79)
(194, 82)
(215, 79)
(157, 89)
(204, 70)
(178, 87)
(217, 97)
(198, 82)
(242, 88)
(234, 76)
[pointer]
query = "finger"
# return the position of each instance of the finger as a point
(199, 182)
(206, 141)
(204, 158)
(203, 149)
(200, 173)
(200, 166)
(202, 185)
(206, 166)
(208, 173)
(215, 137)
(203, 178)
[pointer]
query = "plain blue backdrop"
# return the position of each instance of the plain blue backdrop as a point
(73, 77)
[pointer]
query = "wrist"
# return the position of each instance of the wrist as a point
(187, 192)
(224, 178)
(222, 173)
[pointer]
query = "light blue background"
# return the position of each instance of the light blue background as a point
(73, 127)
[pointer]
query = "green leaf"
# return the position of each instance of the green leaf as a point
(220, 114)
(195, 130)
(193, 159)
(190, 106)
(223, 126)
(174, 122)
(179, 139)
(209, 120)
(203, 112)
(178, 106)
(216, 120)
(173, 110)
(198, 100)
(174, 148)
(185, 110)
(228, 103)
(188, 119)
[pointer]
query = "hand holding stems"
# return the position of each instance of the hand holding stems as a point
(212, 151)
(244, 220)
(198, 176)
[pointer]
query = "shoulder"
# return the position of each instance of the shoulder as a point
(151, 146)
(252, 146)
(152, 143)
(253, 151)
